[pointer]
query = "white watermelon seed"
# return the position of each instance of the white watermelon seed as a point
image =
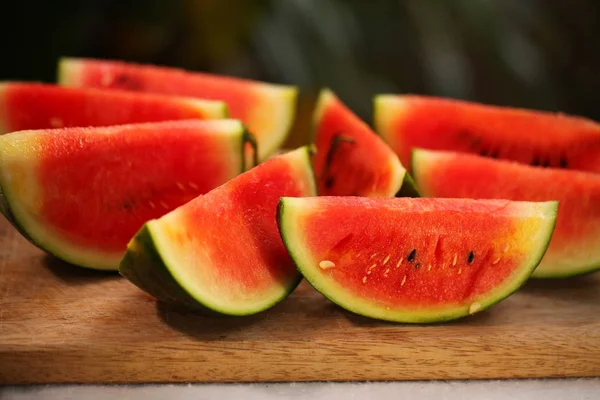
(496, 261)
(152, 204)
(180, 186)
(385, 260)
(403, 281)
(364, 279)
(454, 261)
(474, 308)
(193, 185)
(163, 204)
(399, 262)
(326, 264)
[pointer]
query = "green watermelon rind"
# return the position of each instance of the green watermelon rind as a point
(588, 269)
(41, 237)
(287, 225)
(69, 74)
(287, 95)
(380, 110)
(48, 240)
(419, 153)
(146, 264)
(409, 187)
(145, 267)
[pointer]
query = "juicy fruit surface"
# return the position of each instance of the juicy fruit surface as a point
(267, 109)
(415, 260)
(350, 159)
(527, 136)
(93, 188)
(224, 248)
(43, 106)
(575, 245)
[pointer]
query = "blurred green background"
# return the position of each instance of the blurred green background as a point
(540, 54)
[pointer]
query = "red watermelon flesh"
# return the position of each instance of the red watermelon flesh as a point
(222, 252)
(267, 109)
(415, 260)
(44, 106)
(350, 160)
(82, 193)
(527, 136)
(575, 245)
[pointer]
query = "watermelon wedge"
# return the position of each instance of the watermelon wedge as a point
(530, 137)
(575, 245)
(268, 110)
(82, 193)
(350, 159)
(25, 106)
(221, 252)
(415, 260)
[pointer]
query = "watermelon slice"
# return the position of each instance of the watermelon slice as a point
(221, 253)
(350, 159)
(43, 106)
(575, 245)
(268, 110)
(415, 260)
(527, 136)
(82, 193)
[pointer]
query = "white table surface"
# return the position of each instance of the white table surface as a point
(547, 389)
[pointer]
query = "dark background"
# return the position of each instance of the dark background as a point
(542, 54)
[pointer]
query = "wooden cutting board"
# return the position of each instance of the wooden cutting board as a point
(60, 323)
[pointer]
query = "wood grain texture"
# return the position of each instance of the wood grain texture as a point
(60, 323)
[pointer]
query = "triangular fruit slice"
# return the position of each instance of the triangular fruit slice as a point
(351, 160)
(575, 245)
(415, 260)
(44, 106)
(527, 136)
(222, 253)
(268, 110)
(82, 193)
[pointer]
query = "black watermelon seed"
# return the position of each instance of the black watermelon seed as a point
(536, 161)
(483, 152)
(125, 81)
(563, 162)
(471, 257)
(417, 265)
(329, 183)
(411, 256)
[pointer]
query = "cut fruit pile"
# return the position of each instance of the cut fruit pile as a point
(519, 155)
(137, 168)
